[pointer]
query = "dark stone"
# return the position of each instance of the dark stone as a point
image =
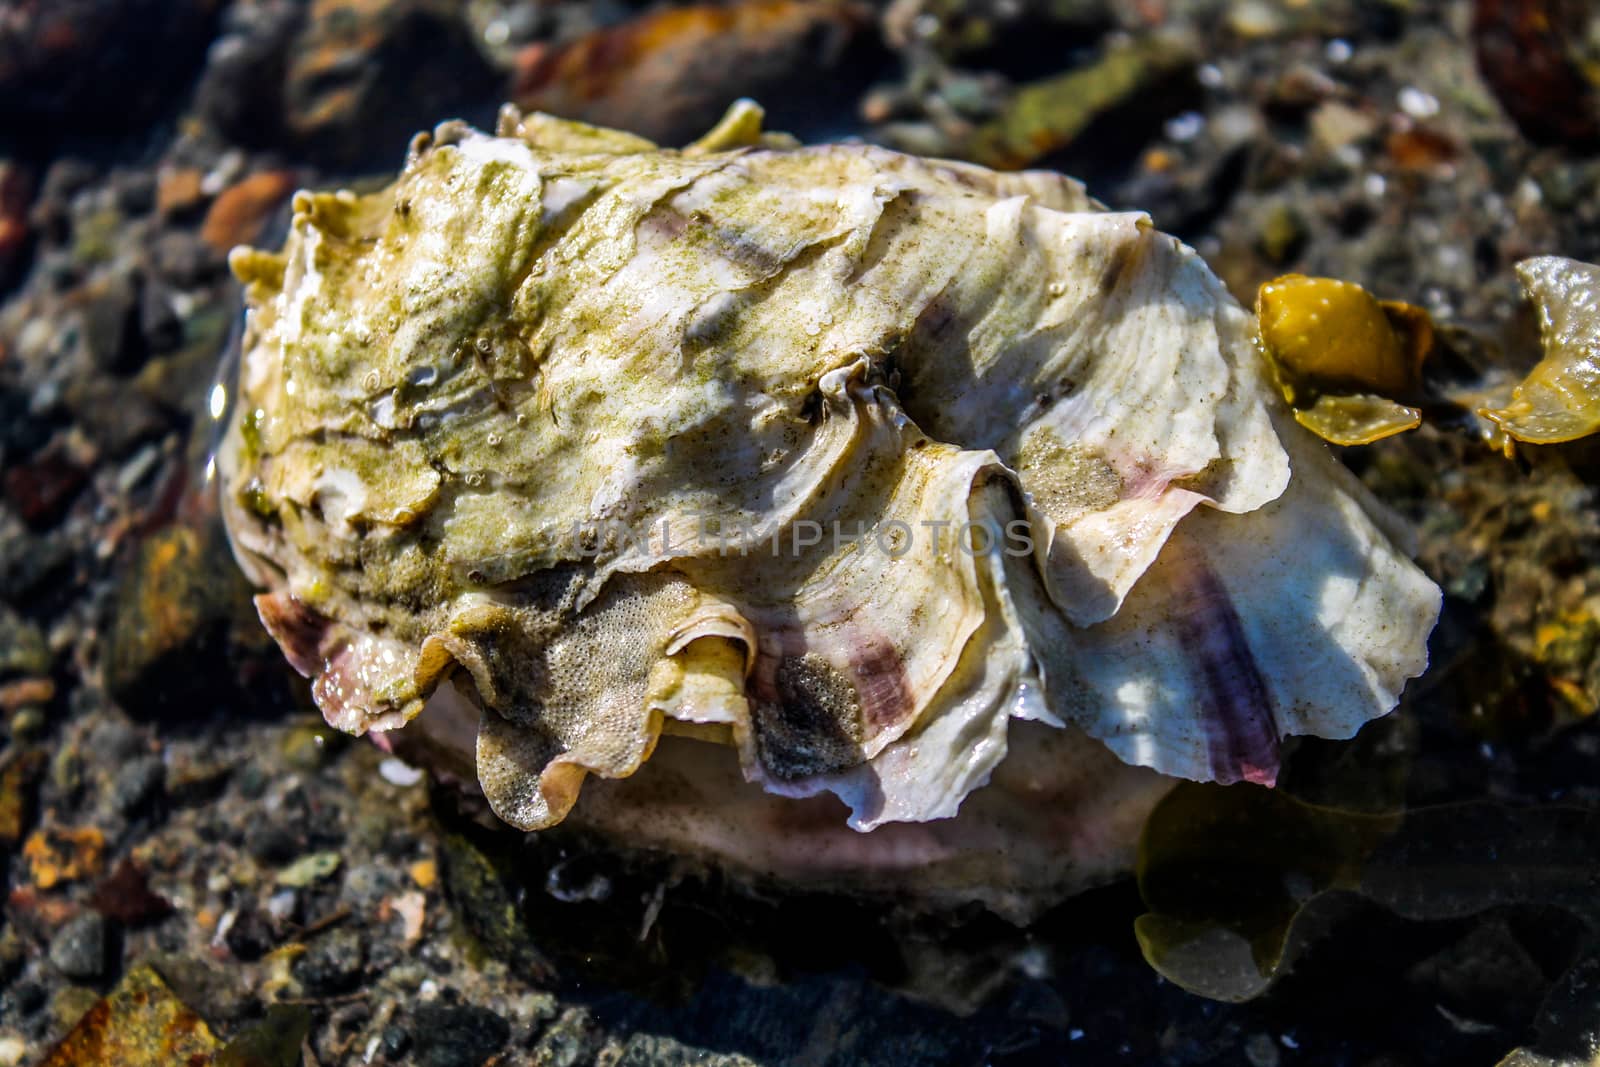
(159, 323)
(273, 845)
(96, 64)
(457, 1035)
(23, 999)
(334, 964)
(364, 75)
(111, 327)
(252, 935)
(240, 94)
(395, 1040)
(137, 783)
(81, 949)
(41, 489)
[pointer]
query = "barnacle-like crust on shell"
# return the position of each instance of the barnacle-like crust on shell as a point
(704, 441)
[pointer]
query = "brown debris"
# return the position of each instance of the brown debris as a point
(179, 190)
(19, 694)
(42, 488)
(670, 74)
(1524, 52)
(141, 1023)
(238, 213)
(18, 781)
(125, 896)
(58, 854)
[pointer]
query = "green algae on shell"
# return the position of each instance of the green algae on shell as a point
(862, 465)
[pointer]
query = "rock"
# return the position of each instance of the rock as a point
(139, 1024)
(363, 75)
(652, 1050)
(1531, 54)
(178, 602)
(26, 693)
(111, 324)
(308, 870)
(333, 964)
(97, 64)
(572, 1039)
(252, 935)
(58, 854)
(240, 93)
(22, 646)
(80, 949)
(126, 897)
(178, 191)
(40, 489)
(136, 783)
(237, 215)
(670, 74)
(273, 1042)
(456, 1035)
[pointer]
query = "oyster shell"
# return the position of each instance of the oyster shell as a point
(867, 466)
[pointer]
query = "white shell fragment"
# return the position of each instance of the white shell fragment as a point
(842, 458)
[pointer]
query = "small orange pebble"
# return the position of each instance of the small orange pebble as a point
(424, 873)
(60, 854)
(1336, 337)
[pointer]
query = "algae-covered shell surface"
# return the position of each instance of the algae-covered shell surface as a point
(873, 477)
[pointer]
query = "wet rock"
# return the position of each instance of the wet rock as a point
(177, 606)
(240, 94)
(179, 191)
(137, 783)
(457, 1035)
(1529, 51)
(93, 63)
(272, 844)
(273, 1042)
(111, 325)
(26, 693)
(333, 964)
(139, 1024)
(252, 935)
(237, 215)
(40, 489)
(22, 646)
(668, 75)
(573, 1038)
(308, 870)
(363, 75)
(80, 949)
(126, 897)
(651, 1050)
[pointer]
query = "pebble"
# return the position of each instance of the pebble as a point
(139, 781)
(79, 949)
(309, 869)
(457, 1035)
(397, 772)
(333, 964)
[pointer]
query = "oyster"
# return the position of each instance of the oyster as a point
(870, 468)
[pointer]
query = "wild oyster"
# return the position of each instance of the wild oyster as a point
(869, 467)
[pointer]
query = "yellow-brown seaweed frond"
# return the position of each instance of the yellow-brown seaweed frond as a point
(1344, 360)
(1559, 400)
